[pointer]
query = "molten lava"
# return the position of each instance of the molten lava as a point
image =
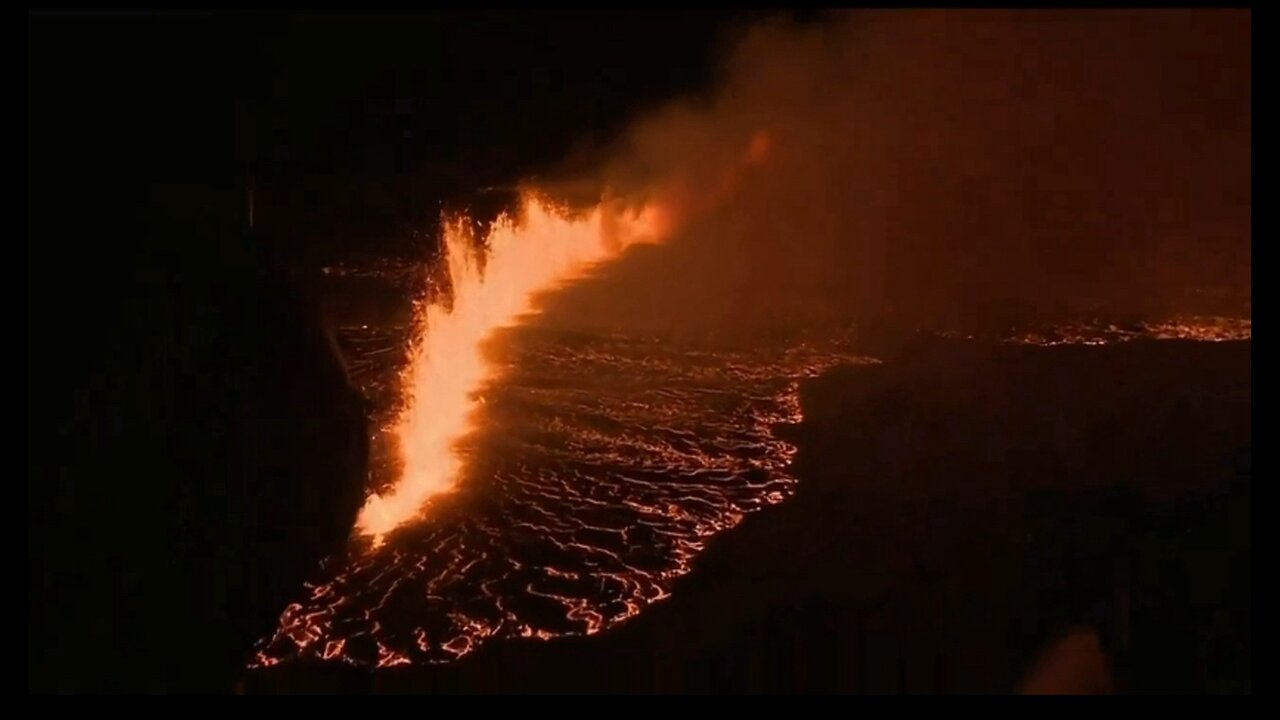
(539, 250)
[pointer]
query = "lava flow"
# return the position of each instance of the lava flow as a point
(533, 253)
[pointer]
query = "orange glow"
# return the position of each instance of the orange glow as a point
(757, 153)
(680, 199)
(758, 150)
(541, 250)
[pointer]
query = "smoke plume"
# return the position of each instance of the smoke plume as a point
(942, 167)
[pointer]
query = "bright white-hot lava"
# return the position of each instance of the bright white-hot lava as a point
(524, 256)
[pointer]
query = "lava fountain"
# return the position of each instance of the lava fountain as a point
(540, 248)
(536, 250)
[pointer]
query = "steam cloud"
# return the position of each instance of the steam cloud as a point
(945, 167)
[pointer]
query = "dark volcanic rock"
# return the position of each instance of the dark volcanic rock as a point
(202, 457)
(195, 447)
(1006, 494)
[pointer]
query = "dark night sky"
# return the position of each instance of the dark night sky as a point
(351, 124)
(423, 107)
(1089, 133)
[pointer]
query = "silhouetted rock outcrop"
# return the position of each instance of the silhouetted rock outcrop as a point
(195, 447)
(206, 452)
